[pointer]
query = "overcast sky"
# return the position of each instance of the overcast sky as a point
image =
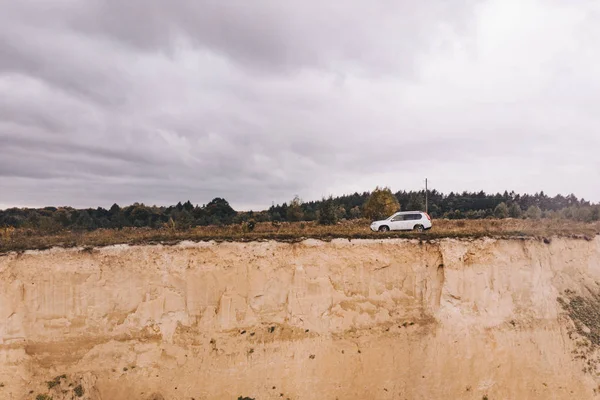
(155, 101)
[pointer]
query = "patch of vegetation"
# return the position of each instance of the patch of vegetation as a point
(56, 381)
(584, 312)
(43, 397)
(51, 384)
(245, 398)
(26, 239)
(79, 391)
(248, 226)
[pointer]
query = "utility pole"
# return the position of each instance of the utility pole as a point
(426, 196)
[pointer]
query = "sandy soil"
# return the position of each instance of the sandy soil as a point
(366, 319)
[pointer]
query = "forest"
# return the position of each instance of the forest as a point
(465, 205)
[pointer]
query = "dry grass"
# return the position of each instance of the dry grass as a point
(23, 239)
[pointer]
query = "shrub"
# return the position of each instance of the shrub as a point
(595, 215)
(583, 214)
(551, 214)
(501, 211)
(534, 212)
(340, 212)
(248, 226)
(78, 391)
(55, 381)
(515, 211)
(355, 212)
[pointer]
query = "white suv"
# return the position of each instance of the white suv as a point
(404, 221)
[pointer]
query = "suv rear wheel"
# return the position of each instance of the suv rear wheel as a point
(419, 228)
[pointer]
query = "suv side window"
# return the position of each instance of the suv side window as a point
(398, 218)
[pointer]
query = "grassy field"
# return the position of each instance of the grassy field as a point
(24, 239)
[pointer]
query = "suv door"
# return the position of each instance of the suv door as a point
(407, 225)
(416, 219)
(397, 222)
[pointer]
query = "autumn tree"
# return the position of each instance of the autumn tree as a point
(294, 211)
(381, 204)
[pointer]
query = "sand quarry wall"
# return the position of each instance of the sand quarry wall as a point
(364, 319)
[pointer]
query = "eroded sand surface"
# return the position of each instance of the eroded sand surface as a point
(389, 319)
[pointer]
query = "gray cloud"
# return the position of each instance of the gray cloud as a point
(271, 35)
(151, 101)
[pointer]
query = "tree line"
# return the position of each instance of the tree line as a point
(466, 205)
(377, 204)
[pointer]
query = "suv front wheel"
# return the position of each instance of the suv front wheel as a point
(384, 228)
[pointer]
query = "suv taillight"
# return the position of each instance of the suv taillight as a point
(428, 217)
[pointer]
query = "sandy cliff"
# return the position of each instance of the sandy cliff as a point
(367, 319)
